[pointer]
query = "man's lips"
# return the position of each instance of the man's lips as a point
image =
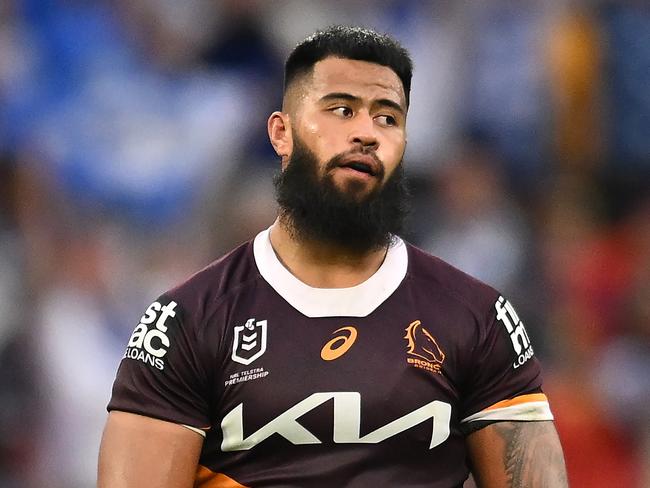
(363, 163)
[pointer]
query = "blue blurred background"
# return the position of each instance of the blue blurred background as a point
(133, 151)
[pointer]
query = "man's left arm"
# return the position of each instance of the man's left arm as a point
(513, 454)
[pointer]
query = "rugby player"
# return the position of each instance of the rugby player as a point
(328, 352)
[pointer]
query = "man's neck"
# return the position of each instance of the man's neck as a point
(322, 265)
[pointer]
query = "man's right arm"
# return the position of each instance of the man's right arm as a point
(139, 451)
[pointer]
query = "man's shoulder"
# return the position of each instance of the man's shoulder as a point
(441, 277)
(227, 273)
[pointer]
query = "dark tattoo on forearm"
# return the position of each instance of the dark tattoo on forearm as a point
(532, 456)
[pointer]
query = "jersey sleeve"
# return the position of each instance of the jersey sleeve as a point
(161, 374)
(505, 383)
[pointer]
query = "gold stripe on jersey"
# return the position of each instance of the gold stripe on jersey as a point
(532, 397)
(206, 478)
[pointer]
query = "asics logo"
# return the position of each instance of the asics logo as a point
(338, 346)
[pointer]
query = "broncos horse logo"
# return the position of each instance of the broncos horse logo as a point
(422, 344)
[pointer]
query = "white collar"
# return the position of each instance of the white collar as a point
(357, 301)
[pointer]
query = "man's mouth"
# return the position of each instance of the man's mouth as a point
(363, 163)
(361, 167)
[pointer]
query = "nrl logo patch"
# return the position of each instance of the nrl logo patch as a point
(250, 341)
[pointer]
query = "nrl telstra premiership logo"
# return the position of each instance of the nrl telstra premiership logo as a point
(250, 341)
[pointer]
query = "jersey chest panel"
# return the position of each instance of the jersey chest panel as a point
(376, 389)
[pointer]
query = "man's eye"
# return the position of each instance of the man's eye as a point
(343, 111)
(388, 120)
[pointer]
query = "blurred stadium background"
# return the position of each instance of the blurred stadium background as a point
(133, 151)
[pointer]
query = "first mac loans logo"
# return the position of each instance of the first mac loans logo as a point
(249, 342)
(149, 342)
(515, 327)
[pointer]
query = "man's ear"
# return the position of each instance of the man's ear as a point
(280, 135)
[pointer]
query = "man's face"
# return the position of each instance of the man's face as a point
(343, 182)
(351, 115)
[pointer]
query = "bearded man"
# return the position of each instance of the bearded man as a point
(327, 351)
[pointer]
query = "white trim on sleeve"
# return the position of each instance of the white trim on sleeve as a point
(194, 429)
(530, 411)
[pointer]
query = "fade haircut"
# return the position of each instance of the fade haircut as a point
(348, 42)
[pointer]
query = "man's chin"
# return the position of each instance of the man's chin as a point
(354, 189)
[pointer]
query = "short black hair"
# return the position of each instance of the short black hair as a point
(350, 42)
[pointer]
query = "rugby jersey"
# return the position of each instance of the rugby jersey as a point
(295, 386)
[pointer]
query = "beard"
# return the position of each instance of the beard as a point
(315, 209)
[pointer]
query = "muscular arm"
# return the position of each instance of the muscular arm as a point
(139, 451)
(517, 455)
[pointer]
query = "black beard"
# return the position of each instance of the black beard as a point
(314, 209)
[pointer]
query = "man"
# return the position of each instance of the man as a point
(327, 351)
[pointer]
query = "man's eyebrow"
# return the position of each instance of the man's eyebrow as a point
(352, 98)
(391, 104)
(340, 96)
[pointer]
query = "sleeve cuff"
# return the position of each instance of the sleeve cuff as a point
(531, 407)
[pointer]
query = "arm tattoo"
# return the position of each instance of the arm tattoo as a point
(532, 456)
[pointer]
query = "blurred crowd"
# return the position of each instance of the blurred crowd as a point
(133, 152)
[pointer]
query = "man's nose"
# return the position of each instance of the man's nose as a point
(364, 131)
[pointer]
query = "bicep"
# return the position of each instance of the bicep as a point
(141, 451)
(517, 455)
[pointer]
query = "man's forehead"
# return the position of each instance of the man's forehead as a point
(356, 77)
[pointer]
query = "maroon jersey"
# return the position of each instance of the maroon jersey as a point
(294, 386)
